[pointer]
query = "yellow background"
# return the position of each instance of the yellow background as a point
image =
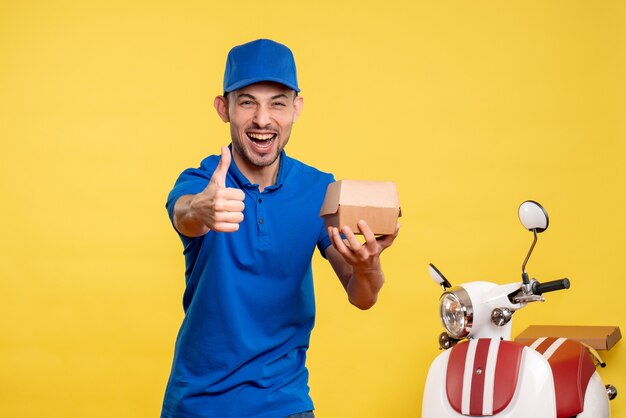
(470, 106)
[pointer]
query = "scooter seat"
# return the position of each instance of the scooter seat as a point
(572, 368)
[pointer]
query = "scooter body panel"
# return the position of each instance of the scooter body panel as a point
(579, 389)
(596, 401)
(533, 397)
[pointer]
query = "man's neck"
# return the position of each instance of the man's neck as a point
(263, 176)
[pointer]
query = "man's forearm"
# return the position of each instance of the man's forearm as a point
(364, 286)
(184, 220)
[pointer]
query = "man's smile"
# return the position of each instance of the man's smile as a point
(260, 137)
(262, 140)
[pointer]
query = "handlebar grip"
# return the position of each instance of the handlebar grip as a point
(551, 286)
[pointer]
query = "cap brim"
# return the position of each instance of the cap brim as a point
(243, 83)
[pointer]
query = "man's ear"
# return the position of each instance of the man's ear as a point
(298, 104)
(221, 105)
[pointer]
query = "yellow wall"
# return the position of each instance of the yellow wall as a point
(470, 106)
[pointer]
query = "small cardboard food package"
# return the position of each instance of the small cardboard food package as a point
(375, 202)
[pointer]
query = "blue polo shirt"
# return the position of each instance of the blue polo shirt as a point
(249, 303)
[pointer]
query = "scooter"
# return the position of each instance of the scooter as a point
(483, 373)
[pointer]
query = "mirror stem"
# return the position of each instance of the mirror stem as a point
(532, 247)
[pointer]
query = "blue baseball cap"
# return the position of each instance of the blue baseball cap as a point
(260, 60)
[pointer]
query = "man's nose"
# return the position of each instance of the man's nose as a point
(262, 116)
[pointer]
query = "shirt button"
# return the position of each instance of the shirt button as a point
(260, 200)
(261, 221)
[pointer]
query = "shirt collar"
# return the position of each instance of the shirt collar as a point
(243, 181)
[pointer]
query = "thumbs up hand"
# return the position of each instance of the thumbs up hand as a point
(218, 207)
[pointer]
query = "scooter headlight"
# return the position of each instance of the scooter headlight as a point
(455, 309)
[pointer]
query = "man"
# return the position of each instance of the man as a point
(249, 222)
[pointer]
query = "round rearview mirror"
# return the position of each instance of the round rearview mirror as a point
(533, 216)
(438, 277)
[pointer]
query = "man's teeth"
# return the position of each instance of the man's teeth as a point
(261, 137)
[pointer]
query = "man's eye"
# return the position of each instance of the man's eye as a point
(279, 104)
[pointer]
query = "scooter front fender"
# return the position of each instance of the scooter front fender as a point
(534, 393)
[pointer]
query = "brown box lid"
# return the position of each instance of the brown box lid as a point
(598, 337)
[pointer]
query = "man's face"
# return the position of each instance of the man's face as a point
(261, 116)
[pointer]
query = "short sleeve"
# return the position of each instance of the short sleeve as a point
(323, 241)
(191, 181)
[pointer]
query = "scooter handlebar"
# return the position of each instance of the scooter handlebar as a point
(540, 288)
